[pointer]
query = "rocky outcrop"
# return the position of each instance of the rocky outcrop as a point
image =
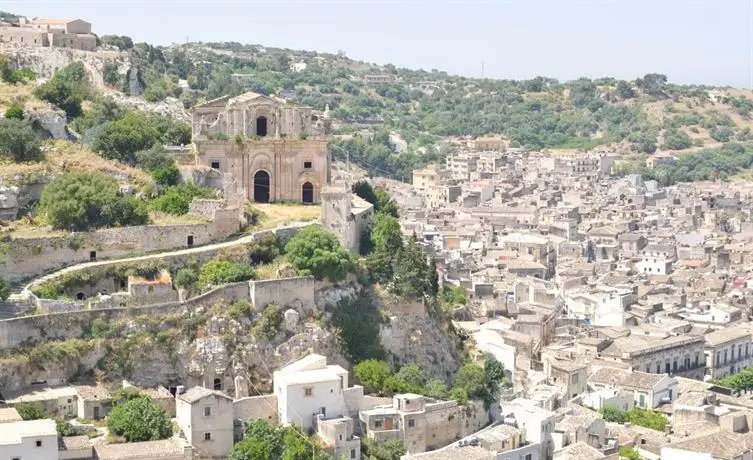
(170, 107)
(15, 197)
(50, 123)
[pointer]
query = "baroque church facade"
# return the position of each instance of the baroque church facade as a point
(273, 150)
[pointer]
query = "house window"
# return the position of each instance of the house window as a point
(306, 165)
(411, 423)
(39, 443)
(93, 255)
(308, 391)
(377, 423)
(207, 411)
(215, 165)
(352, 453)
(207, 436)
(528, 457)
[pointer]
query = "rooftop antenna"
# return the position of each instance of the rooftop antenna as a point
(482, 69)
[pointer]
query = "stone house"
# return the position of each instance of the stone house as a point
(276, 151)
(649, 390)
(63, 33)
(579, 425)
(631, 244)
(60, 401)
(717, 446)
(94, 402)
(143, 291)
(74, 448)
(166, 449)
(537, 423)
(678, 355)
(727, 351)
(346, 215)
(206, 418)
(422, 423)
(568, 374)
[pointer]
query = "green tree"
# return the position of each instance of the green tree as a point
(268, 325)
(409, 379)
(624, 90)
(67, 89)
(18, 141)
(674, 139)
(470, 377)
(628, 453)
(125, 211)
(167, 176)
(139, 419)
(218, 272)
(265, 442)
(121, 139)
(64, 428)
(187, 278)
(125, 394)
(391, 449)
(315, 251)
(437, 389)
(372, 373)
(364, 190)
(74, 201)
(411, 271)
(31, 411)
(385, 204)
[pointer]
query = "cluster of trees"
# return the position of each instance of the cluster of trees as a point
(471, 381)
(82, 201)
(701, 165)
(18, 142)
(13, 76)
(263, 441)
(67, 89)
(402, 267)
(637, 416)
(742, 381)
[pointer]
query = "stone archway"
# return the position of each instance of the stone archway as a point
(262, 186)
(261, 126)
(307, 193)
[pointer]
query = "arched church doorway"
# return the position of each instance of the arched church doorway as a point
(261, 126)
(261, 187)
(307, 190)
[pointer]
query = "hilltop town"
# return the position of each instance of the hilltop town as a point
(217, 250)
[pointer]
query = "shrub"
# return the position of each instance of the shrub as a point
(18, 141)
(459, 395)
(125, 211)
(264, 250)
(176, 199)
(315, 251)
(218, 272)
(186, 278)
(268, 325)
(139, 419)
(15, 111)
(167, 176)
(154, 159)
(31, 411)
(5, 289)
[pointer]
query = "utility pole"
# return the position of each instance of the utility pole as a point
(482, 69)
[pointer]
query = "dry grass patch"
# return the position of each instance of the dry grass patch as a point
(20, 93)
(65, 156)
(279, 214)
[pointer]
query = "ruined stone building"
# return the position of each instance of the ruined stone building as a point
(275, 151)
(63, 33)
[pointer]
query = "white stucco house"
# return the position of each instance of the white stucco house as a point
(31, 439)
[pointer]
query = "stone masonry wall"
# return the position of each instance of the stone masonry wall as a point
(28, 257)
(290, 292)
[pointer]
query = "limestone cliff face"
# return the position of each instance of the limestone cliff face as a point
(419, 340)
(45, 61)
(214, 345)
